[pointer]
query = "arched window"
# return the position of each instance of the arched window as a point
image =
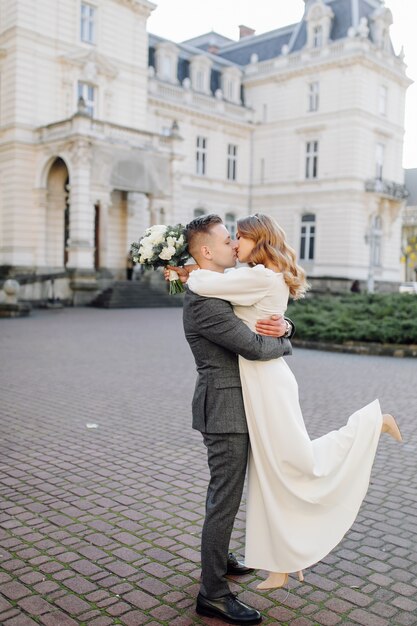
(230, 223)
(307, 237)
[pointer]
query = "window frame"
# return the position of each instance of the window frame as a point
(318, 34)
(308, 232)
(90, 104)
(313, 96)
(88, 23)
(201, 155)
(232, 161)
(231, 224)
(312, 159)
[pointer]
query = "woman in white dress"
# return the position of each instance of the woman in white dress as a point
(303, 494)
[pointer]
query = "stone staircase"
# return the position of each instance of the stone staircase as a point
(139, 294)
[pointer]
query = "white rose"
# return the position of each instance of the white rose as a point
(180, 240)
(171, 241)
(146, 251)
(167, 253)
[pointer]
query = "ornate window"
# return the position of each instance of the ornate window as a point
(313, 96)
(231, 161)
(307, 237)
(88, 23)
(312, 158)
(201, 155)
(200, 70)
(88, 93)
(231, 80)
(319, 22)
(317, 36)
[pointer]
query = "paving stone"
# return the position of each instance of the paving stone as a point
(111, 517)
(15, 590)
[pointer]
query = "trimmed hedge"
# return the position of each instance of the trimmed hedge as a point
(377, 318)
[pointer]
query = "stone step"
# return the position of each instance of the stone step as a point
(125, 294)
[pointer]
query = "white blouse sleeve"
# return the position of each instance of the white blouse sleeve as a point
(243, 286)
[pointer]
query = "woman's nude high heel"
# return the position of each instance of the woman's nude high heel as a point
(389, 425)
(276, 580)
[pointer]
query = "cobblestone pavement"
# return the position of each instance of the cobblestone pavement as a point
(101, 525)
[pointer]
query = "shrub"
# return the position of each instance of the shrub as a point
(380, 318)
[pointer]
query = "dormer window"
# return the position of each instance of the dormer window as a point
(200, 70)
(319, 22)
(317, 36)
(166, 61)
(231, 81)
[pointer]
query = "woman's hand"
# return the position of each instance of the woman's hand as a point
(183, 272)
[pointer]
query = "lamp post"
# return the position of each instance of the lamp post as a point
(373, 237)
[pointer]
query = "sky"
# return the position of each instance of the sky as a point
(179, 20)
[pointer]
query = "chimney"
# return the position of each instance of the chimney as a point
(245, 31)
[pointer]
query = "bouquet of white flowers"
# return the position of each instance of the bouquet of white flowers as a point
(161, 246)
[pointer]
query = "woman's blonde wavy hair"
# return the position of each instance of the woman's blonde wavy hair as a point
(271, 246)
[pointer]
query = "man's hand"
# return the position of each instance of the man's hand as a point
(274, 326)
(183, 272)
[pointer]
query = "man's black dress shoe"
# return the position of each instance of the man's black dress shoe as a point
(235, 567)
(229, 609)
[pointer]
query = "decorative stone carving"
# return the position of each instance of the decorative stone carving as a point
(319, 15)
(92, 64)
(81, 153)
(381, 20)
(142, 7)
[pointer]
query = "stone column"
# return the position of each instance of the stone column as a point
(81, 241)
(41, 239)
(54, 231)
(103, 199)
(138, 218)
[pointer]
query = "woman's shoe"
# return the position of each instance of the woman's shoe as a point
(389, 425)
(276, 580)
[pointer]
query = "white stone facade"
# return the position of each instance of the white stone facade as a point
(311, 133)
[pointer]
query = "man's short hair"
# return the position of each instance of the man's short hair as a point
(200, 226)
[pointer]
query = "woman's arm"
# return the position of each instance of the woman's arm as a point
(243, 286)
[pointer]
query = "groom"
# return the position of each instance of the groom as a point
(216, 336)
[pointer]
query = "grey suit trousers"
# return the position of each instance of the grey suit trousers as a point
(227, 455)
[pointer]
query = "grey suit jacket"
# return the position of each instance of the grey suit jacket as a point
(216, 336)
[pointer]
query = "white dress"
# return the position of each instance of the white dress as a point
(303, 495)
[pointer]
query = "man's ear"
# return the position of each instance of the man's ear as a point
(206, 253)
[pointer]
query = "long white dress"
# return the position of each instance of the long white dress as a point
(303, 495)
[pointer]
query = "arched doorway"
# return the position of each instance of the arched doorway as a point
(57, 215)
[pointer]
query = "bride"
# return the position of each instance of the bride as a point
(303, 494)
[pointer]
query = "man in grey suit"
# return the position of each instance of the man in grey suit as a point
(216, 336)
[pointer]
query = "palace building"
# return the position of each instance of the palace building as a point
(106, 129)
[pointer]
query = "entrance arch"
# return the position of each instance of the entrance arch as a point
(57, 214)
